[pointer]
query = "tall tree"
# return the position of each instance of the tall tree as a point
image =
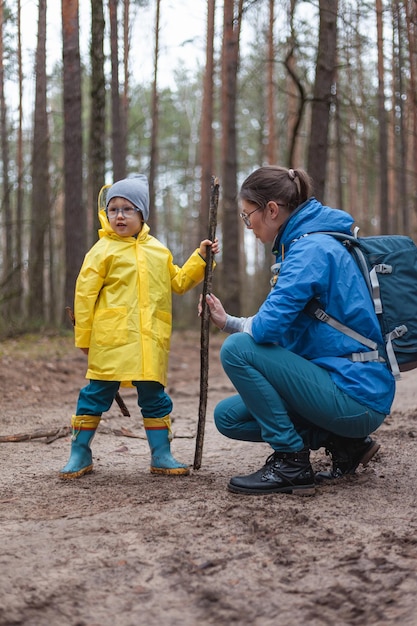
(271, 88)
(5, 207)
(400, 109)
(296, 94)
(231, 229)
(97, 138)
(411, 18)
(325, 72)
(126, 73)
(3, 127)
(40, 201)
(382, 124)
(118, 134)
(18, 231)
(206, 129)
(75, 214)
(153, 161)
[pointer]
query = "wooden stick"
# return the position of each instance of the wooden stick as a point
(205, 324)
(123, 408)
(52, 434)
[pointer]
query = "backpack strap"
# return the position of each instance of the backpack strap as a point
(399, 331)
(314, 309)
(370, 275)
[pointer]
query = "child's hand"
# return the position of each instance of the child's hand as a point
(85, 350)
(206, 242)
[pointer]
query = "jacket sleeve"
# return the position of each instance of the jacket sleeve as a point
(189, 275)
(89, 283)
(304, 275)
(316, 267)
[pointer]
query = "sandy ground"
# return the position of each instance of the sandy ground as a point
(121, 547)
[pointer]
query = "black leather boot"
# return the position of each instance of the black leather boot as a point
(347, 454)
(283, 472)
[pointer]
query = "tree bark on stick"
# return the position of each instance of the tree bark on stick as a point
(205, 324)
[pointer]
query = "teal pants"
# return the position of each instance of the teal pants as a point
(97, 397)
(285, 400)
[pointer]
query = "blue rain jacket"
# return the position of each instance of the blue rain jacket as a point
(319, 266)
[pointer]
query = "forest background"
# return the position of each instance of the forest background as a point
(327, 85)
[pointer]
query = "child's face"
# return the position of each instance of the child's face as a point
(123, 217)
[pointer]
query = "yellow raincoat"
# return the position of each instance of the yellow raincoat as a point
(123, 305)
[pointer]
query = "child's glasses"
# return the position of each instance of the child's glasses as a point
(126, 211)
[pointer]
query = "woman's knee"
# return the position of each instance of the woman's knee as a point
(220, 419)
(233, 420)
(233, 346)
(228, 415)
(231, 414)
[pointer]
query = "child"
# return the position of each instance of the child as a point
(123, 322)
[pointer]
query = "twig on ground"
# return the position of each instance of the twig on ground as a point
(52, 434)
(63, 431)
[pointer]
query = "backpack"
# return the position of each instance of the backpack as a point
(389, 266)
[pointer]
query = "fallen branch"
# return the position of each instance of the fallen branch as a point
(63, 431)
(56, 433)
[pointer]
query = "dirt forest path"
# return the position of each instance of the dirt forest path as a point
(121, 547)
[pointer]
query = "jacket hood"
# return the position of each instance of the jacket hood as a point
(134, 188)
(106, 229)
(312, 217)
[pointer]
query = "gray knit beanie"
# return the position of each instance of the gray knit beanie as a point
(134, 188)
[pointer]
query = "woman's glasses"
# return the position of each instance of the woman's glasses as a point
(246, 216)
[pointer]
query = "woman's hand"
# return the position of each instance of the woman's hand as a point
(217, 313)
(214, 247)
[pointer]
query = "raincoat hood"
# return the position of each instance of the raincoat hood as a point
(134, 188)
(106, 229)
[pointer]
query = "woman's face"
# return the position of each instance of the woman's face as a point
(265, 222)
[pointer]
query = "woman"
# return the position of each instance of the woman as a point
(297, 387)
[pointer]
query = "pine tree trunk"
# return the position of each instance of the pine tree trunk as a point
(75, 215)
(325, 68)
(206, 153)
(97, 139)
(153, 167)
(401, 136)
(18, 231)
(231, 228)
(411, 17)
(270, 89)
(40, 202)
(382, 122)
(5, 205)
(118, 140)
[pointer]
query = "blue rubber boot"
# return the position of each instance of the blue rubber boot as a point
(158, 433)
(81, 458)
